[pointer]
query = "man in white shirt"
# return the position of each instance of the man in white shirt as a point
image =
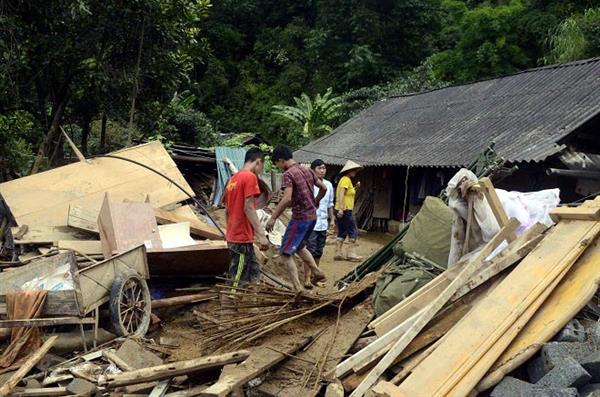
(325, 220)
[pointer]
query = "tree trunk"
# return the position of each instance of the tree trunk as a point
(52, 136)
(103, 132)
(135, 84)
(85, 133)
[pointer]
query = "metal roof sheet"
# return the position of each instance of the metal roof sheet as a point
(526, 114)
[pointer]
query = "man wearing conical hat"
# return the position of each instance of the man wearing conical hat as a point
(346, 223)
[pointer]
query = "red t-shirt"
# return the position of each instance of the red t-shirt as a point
(242, 185)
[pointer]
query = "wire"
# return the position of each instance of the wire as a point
(194, 199)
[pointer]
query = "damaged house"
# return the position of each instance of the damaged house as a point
(543, 124)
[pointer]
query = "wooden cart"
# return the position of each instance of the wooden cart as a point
(119, 281)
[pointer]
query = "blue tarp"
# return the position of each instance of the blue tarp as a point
(236, 156)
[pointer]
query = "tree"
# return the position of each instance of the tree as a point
(313, 116)
(575, 38)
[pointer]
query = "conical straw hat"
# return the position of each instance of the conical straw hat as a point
(350, 165)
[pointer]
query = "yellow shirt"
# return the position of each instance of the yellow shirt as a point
(345, 183)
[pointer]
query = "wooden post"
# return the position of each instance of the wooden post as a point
(12, 382)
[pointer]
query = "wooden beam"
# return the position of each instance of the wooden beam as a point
(581, 213)
(86, 247)
(43, 322)
(260, 361)
(19, 374)
(430, 311)
(182, 300)
(41, 392)
(46, 234)
(492, 198)
(197, 227)
(171, 370)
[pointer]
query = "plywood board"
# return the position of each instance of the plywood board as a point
(89, 247)
(462, 348)
(197, 227)
(36, 234)
(126, 225)
(44, 198)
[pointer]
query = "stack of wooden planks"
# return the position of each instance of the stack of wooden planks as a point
(481, 319)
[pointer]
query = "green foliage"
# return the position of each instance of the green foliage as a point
(575, 38)
(238, 141)
(312, 116)
(15, 128)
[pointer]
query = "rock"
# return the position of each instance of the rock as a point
(590, 390)
(567, 373)
(33, 384)
(137, 356)
(572, 332)
(553, 392)
(334, 389)
(594, 335)
(536, 369)
(592, 365)
(81, 387)
(554, 352)
(512, 387)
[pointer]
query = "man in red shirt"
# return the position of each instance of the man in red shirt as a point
(242, 221)
(298, 192)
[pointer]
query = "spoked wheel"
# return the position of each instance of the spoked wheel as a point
(130, 305)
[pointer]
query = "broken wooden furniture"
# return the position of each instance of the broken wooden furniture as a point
(119, 281)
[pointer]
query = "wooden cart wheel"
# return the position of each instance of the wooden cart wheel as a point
(130, 305)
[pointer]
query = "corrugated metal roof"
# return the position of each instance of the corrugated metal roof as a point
(526, 115)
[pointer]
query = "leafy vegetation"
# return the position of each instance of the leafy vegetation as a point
(112, 72)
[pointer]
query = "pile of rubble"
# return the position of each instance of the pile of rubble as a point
(96, 252)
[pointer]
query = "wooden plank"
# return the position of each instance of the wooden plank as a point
(57, 303)
(43, 322)
(19, 374)
(37, 234)
(494, 202)
(430, 311)
(417, 301)
(91, 247)
(197, 227)
(44, 198)
(83, 218)
(569, 297)
(41, 392)
(261, 360)
(112, 356)
(583, 213)
(499, 310)
(170, 370)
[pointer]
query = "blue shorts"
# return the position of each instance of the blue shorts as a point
(347, 226)
(295, 236)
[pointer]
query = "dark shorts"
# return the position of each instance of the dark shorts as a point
(243, 265)
(296, 235)
(316, 243)
(347, 226)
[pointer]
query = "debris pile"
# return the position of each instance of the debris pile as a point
(102, 253)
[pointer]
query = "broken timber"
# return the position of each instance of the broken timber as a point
(170, 370)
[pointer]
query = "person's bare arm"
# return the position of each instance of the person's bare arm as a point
(250, 212)
(322, 190)
(331, 218)
(284, 203)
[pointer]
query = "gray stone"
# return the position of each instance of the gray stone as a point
(136, 355)
(594, 335)
(592, 365)
(512, 387)
(572, 332)
(554, 352)
(590, 390)
(567, 373)
(33, 384)
(81, 387)
(536, 369)
(553, 392)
